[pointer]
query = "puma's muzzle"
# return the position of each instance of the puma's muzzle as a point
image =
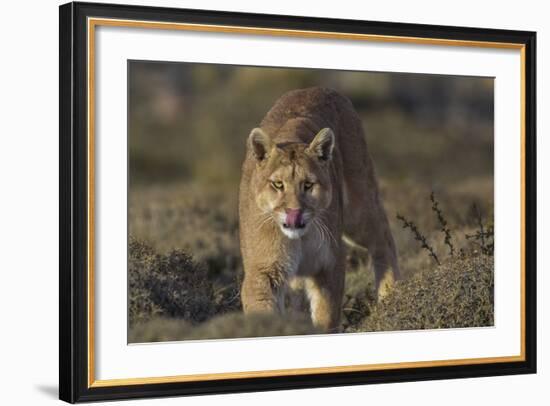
(294, 219)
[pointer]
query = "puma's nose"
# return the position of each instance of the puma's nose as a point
(294, 219)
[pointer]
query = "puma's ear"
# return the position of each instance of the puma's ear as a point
(322, 145)
(259, 143)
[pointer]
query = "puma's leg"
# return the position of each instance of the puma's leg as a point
(372, 231)
(297, 300)
(263, 291)
(325, 293)
(386, 269)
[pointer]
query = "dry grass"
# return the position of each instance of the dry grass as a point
(231, 325)
(173, 296)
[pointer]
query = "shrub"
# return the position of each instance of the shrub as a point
(169, 285)
(458, 293)
(194, 219)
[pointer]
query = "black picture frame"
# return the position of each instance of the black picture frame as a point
(73, 284)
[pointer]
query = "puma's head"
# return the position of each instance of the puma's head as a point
(291, 183)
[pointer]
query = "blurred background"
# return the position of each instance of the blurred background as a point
(188, 125)
(190, 121)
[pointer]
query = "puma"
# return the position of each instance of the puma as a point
(307, 182)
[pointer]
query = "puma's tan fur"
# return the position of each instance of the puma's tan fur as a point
(306, 180)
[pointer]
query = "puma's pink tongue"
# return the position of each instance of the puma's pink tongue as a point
(294, 218)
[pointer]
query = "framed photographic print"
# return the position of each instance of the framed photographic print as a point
(256, 202)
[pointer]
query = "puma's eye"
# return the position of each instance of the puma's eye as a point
(308, 185)
(277, 185)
